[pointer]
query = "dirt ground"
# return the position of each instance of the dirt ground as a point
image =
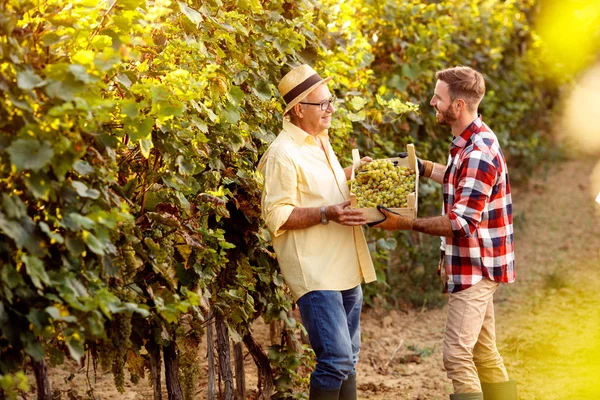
(548, 322)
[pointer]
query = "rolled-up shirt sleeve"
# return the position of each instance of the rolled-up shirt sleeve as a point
(279, 196)
(475, 182)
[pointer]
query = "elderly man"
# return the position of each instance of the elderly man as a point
(318, 240)
(477, 237)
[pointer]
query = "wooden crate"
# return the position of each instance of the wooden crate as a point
(371, 213)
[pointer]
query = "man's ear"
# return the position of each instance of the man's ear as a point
(460, 104)
(299, 110)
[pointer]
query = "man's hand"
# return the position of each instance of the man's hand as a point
(343, 215)
(425, 167)
(361, 162)
(365, 160)
(393, 221)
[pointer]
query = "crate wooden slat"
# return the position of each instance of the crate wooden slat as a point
(410, 211)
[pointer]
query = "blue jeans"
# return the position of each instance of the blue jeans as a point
(332, 320)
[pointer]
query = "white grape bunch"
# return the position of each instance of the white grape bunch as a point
(380, 182)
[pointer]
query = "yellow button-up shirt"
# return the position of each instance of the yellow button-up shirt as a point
(298, 173)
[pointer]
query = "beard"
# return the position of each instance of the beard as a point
(446, 118)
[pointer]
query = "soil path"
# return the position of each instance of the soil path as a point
(548, 322)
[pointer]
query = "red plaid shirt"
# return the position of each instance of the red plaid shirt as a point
(477, 200)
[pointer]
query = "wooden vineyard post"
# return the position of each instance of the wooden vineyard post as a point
(172, 371)
(240, 378)
(224, 357)
(41, 379)
(266, 386)
(210, 355)
(154, 354)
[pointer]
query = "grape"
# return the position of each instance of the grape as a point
(120, 335)
(380, 182)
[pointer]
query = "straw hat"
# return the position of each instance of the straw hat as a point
(297, 84)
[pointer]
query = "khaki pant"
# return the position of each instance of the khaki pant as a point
(470, 353)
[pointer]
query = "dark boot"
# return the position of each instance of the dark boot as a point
(466, 396)
(348, 389)
(320, 394)
(499, 391)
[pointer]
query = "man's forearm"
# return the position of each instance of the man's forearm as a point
(437, 226)
(435, 172)
(303, 217)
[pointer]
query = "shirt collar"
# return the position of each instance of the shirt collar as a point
(473, 128)
(299, 135)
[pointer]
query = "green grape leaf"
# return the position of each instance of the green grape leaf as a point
(189, 12)
(28, 80)
(22, 232)
(51, 38)
(236, 95)
(75, 222)
(360, 116)
(93, 243)
(84, 191)
(30, 154)
(124, 80)
(52, 235)
(35, 350)
(11, 277)
(35, 270)
(75, 245)
(132, 307)
(38, 318)
(99, 42)
(231, 115)
(263, 90)
(358, 103)
(83, 167)
(129, 108)
(145, 146)
(75, 349)
(39, 185)
(141, 129)
(13, 206)
(80, 73)
(185, 165)
(183, 201)
(65, 89)
(96, 323)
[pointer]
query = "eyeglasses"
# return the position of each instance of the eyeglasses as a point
(324, 105)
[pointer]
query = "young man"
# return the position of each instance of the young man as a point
(319, 244)
(477, 237)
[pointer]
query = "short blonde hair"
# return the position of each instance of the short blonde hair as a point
(465, 83)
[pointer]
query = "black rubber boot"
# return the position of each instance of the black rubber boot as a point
(466, 396)
(320, 394)
(348, 389)
(499, 391)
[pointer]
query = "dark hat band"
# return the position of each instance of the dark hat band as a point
(295, 92)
